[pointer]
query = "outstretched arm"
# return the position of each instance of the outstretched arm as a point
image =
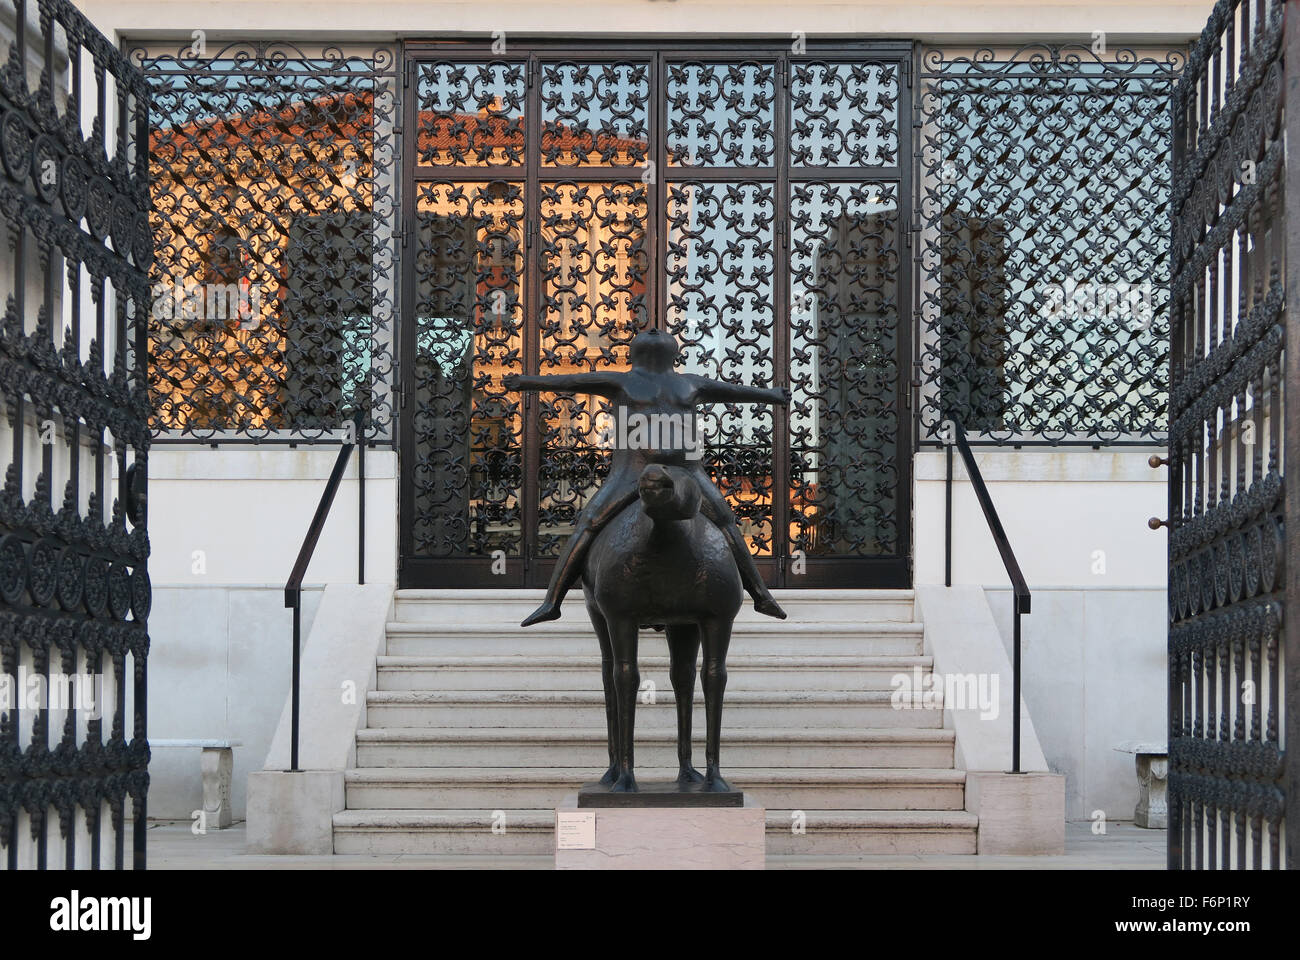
(719, 391)
(604, 383)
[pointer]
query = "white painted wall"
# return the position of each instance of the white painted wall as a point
(1094, 643)
(220, 657)
(246, 510)
(1059, 508)
(1094, 676)
(668, 18)
(219, 666)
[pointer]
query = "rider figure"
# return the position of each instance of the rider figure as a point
(657, 393)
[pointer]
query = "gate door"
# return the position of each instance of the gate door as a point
(747, 199)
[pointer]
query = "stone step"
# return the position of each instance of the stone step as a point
(870, 832)
(509, 606)
(585, 747)
(566, 638)
(583, 672)
(815, 788)
(782, 710)
(471, 831)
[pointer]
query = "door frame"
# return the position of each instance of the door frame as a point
(828, 572)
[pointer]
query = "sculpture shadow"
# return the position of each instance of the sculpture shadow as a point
(661, 563)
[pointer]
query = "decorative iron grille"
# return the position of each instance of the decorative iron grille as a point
(274, 202)
(74, 589)
(1041, 199)
(1233, 678)
(751, 202)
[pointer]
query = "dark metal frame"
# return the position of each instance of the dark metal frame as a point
(73, 577)
(1234, 403)
(837, 571)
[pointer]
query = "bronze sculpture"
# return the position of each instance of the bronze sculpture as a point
(658, 546)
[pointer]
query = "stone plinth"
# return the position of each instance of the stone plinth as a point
(1020, 814)
(293, 812)
(664, 838)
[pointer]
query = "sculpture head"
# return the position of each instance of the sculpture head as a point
(668, 493)
(653, 350)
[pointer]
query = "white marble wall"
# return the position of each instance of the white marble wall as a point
(219, 667)
(1094, 676)
(1094, 645)
(924, 19)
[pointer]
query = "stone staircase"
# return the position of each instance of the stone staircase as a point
(478, 728)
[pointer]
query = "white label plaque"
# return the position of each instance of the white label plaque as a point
(575, 829)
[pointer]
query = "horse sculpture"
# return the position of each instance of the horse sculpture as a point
(660, 562)
(658, 546)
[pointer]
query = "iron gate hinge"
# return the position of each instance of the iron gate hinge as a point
(406, 74)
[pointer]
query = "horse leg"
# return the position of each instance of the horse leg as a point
(611, 698)
(627, 680)
(683, 649)
(717, 637)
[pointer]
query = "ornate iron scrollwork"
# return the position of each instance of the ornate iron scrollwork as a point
(74, 200)
(1042, 187)
(1228, 801)
(274, 206)
(466, 469)
(720, 274)
(750, 203)
(844, 327)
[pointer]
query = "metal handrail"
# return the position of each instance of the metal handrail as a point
(293, 588)
(1019, 588)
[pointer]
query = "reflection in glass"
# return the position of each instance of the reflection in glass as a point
(844, 262)
(720, 306)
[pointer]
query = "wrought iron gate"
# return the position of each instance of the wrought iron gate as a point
(74, 590)
(749, 200)
(1234, 654)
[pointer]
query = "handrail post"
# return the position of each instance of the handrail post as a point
(947, 520)
(1015, 689)
(293, 588)
(1020, 596)
(361, 496)
(297, 686)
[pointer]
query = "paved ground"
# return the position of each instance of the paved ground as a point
(1123, 847)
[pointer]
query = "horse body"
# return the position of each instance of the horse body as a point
(660, 563)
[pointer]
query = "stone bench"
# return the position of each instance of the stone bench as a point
(1152, 808)
(216, 765)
